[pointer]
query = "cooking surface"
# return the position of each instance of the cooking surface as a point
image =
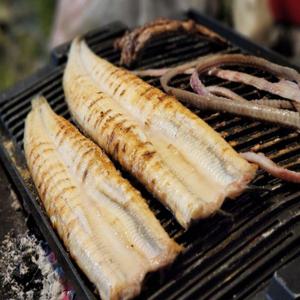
(232, 254)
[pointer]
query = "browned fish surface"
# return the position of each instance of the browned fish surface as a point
(177, 156)
(103, 221)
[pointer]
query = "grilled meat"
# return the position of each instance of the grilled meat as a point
(177, 156)
(216, 98)
(103, 221)
(272, 168)
(133, 43)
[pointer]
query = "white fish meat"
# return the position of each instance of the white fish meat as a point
(176, 155)
(103, 221)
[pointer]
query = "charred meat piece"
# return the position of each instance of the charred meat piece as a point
(133, 43)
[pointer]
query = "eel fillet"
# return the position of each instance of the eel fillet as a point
(176, 155)
(103, 221)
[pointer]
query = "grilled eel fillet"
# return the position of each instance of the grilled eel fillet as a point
(103, 221)
(176, 155)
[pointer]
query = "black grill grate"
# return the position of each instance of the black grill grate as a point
(226, 256)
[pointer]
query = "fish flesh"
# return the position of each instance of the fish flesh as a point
(176, 155)
(180, 159)
(103, 221)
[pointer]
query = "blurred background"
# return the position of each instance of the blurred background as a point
(30, 28)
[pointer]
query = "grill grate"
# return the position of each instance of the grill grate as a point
(225, 256)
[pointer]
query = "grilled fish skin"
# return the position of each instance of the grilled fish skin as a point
(103, 221)
(175, 154)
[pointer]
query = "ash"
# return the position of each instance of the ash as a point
(25, 271)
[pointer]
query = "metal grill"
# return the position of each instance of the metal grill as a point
(226, 256)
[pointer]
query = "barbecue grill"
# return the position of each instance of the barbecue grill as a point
(231, 255)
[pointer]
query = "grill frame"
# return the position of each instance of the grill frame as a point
(16, 166)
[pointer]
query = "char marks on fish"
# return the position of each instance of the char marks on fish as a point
(176, 155)
(103, 221)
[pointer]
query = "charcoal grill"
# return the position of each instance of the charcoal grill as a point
(231, 255)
